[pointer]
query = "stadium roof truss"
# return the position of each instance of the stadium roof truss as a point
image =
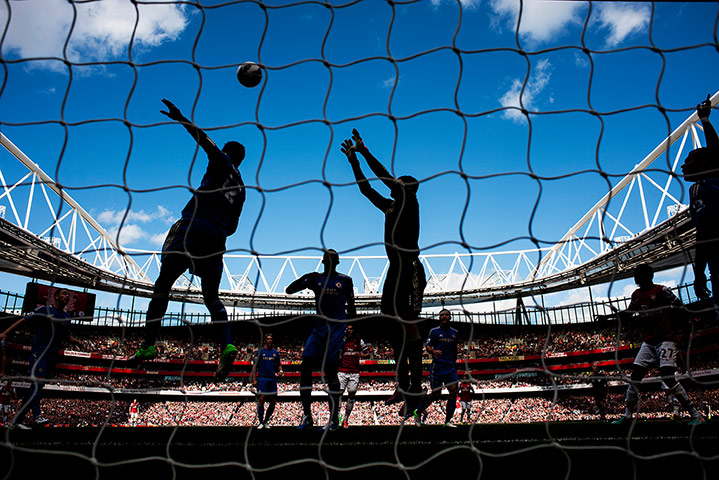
(46, 234)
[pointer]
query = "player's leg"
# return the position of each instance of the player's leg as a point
(218, 315)
(632, 395)
(31, 401)
(272, 400)
(352, 387)
(306, 368)
(451, 403)
(335, 395)
(260, 409)
(667, 370)
(173, 265)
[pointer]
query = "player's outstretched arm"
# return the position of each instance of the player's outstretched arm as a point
(375, 165)
(11, 328)
(197, 133)
(703, 111)
(365, 188)
(300, 284)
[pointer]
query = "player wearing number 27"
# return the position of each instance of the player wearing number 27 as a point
(660, 315)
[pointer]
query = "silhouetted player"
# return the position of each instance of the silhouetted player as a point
(51, 326)
(197, 241)
(660, 316)
(702, 167)
(334, 297)
(600, 389)
(405, 280)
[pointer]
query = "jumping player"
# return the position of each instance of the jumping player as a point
(405, 279)
(702, 167)
(442, 345)
(264, 378)
(660, 316)
(51, 325)
(197, 241)
(334, 298)
(348, 375)
(466, 390)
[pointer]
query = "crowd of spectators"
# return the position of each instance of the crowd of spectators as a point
(81, 413)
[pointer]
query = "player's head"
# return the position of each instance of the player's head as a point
(595, 367)
(406, 184)
(236, 151)
(350, 330)
(61, 296)
(268, 340)
(643, 275)
(444, 316)
(700, 164)
(331, 258)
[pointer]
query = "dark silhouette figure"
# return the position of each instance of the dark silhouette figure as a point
(405, 281)
(197, 241)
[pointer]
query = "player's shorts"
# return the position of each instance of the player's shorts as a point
(439, 377)
(404, 288)
(466, 405)
(348, 381)
(665, 354)
(266, 386)
(42, 362)
(318, 346)
(199, 244)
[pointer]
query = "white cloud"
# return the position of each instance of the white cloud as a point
(468, 4)
(131, 230)
(102, 30)
(389, 83)
(538, 81)
(114, 217)
(623, 20)
(541, 20)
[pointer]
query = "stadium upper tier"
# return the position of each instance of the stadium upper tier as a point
(59, 241)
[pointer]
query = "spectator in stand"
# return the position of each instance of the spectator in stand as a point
(264, 374)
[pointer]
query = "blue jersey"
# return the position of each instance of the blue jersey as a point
(268, 362)
(221, 195)
(444, 340)
(331, 294)
(51, 328)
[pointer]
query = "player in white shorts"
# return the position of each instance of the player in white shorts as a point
(348, 373)
(660, 314)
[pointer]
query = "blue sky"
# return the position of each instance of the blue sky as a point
(288, 159)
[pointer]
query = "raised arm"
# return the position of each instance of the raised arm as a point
(365, 188)
(12, 327)
(703, 110)
(197, 133)
(374, 164)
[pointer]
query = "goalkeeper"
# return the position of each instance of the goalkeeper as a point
(197, 241)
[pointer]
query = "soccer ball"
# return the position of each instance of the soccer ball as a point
(249, 74)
